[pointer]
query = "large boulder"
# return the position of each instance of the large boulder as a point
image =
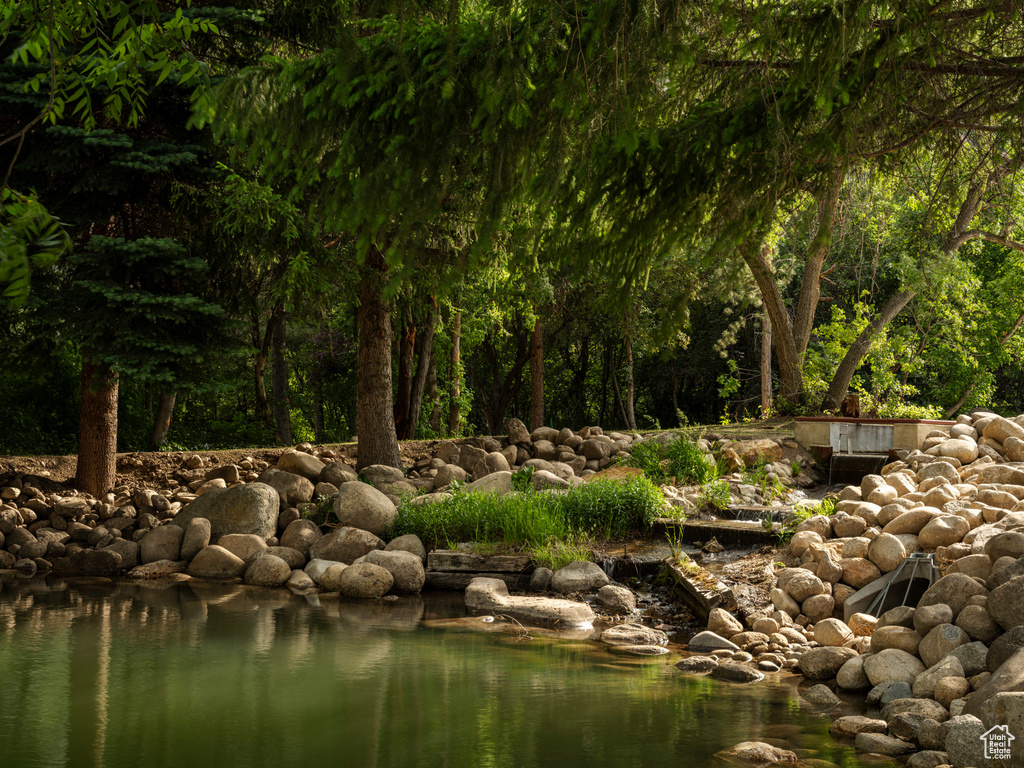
(215, 562)
(954, 590)
(891, 666)
(292, 489)
(410, 542)
(580, 576)
(824, 662)
(345, 545)
(362, 506)
(336, 473)
(940, 641)
(161, 543)
(365, 581)
(198, 532)
(301, 534)
(406, 569)
(249, 508)
(247, 546)
(633, 634)
(943, 531)
(303, 464)
(268, 571)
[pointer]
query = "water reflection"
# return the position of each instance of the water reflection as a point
(111, 675)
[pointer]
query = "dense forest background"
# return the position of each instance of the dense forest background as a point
(640, 217)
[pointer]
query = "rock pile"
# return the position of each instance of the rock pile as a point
(944, 672)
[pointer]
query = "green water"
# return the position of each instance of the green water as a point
(128, 675)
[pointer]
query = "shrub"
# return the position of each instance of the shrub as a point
(681, 458)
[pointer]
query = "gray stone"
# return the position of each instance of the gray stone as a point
(161, 543)
(301, 534)
(411, 543)
(128, 550)
(928, 759)
(579, 576)
(882, 744)
(406, 569)
(1008, 677)
(821, 696)
(380, 474)
(616, 599)
(300, 581)
(215, 562)
(336, 473)
(365, 581)
(299, 463)
(362, 506)
(295, 559)
(1006, 603)
(291, 489)
(540, 580)
(971, 657)
(633, 634)
(697, 665)
(345, 545)
(848, 726)
(954, 590)
(247, 546)
(824, 662)
(940, 641)
(1004, 647)
(498, 483)
(736, 672)
(896, 690)
(964, 744)
(268, 571)
(197, 535)
(249, 508)
(931, 616)
(925, 707)
(755, 753)
(161, 569)
(851, 676)
(924, 684)
(892, 665)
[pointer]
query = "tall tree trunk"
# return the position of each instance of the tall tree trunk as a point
(618, 398)
(766, 365)
(419, 383)
(282, 403)
(790, 366)
(260, 381)
(537, 376)
(579, 380)
(433, 399)
(317, 382)
(162, 421)
(374, 412)
(606, 361)
(455, 385)
(406, 356)
(630, 385)
(97, 430)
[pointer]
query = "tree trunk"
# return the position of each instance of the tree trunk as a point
(419, 383)
(406, 356)
(374, 412)
(455, 385)
(317, 382)
(97, 430)
(435, 401)
(579, 380)
(618, 397)
(537, 376)
(766, 365)
(162, 421)
(630, 386)
(606, 360)
(790, 366)
(282, 403)
(259, 378)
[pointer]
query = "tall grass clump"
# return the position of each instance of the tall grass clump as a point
(535, 520)
(681, 458)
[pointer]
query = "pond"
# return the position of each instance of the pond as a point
(128, 675)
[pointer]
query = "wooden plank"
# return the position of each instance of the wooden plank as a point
(451, 560)
(459, 580)
(699, 588)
